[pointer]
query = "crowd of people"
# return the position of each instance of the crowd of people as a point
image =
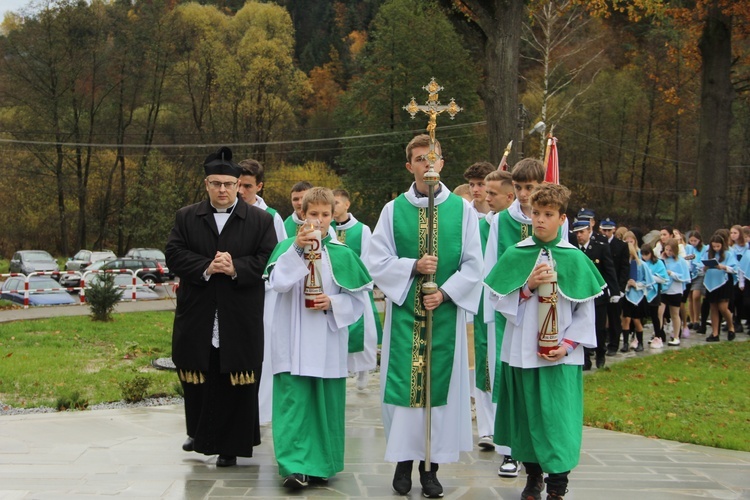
(274, 315)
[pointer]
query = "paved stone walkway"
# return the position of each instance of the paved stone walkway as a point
(137, 453)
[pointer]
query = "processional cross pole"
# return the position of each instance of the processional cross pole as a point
(432, 108)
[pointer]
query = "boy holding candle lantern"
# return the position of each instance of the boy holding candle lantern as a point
(321, 288)
(543, 344)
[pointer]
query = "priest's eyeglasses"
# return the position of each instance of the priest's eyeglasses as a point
(217, 184)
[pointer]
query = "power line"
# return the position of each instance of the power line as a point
(236, 144)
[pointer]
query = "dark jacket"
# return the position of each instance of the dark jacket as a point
(621, 259)
(249, 237)
(600, 255)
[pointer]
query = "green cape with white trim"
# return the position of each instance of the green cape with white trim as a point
(578, 279)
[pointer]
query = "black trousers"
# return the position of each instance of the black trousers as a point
(600, 315)
(615, 328)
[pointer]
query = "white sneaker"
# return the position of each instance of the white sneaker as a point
(633, 343)
(362, 378)
(509, 468)
(485, 443)
(657, 343)
(673, 341)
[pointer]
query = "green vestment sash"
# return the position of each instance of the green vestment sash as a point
(406, 366)
(352, 238)
(347, 269)
(271, 211)
(481, 356)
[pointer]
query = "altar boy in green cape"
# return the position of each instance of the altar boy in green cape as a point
(543, 394)
(309, 346)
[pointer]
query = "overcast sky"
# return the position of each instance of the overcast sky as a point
(11, 5)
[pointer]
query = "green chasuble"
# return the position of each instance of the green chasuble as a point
(347, 269)
(290, 226)
(481, 356)
(405, 379)
(352, 238)
(271, 211)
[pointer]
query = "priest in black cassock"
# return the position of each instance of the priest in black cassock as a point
(219, 249)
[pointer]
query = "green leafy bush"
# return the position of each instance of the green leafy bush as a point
(72, 401)
(135, 389)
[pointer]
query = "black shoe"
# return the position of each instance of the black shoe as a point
(612, 352)
(317, 480)
(701, 329)
(402, 478)
(189, 444)
(226, 461)
(730, 336)
(639, 348)
(625, 347)
(712, 338)
(600, 360)
(296, 481)
(738, 327)
(534, 488)
(431, 487)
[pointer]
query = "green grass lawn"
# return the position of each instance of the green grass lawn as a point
(697, 395)
(44, 360)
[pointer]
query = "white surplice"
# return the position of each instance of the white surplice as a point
(309, 342)
(265, 389)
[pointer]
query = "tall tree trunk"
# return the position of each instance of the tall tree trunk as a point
(715, 47)
(500, 88)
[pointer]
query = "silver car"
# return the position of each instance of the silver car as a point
(85, 258)
(31, 261)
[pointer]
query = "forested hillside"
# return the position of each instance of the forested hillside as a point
(108, 108)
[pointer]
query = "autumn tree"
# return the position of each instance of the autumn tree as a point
(714, 24)
(492, 29)
(563, 46)
(395, 67)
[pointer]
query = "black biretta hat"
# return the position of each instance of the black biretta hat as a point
(220, 163)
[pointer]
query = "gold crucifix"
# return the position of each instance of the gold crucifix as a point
(432, 108)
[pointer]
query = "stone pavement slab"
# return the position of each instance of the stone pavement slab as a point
(136, 453)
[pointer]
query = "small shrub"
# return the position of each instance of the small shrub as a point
(103, 296)
(72, 401)
(135, 390)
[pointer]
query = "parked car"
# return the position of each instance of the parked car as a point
(85, 258)
(151, 253)
(31, 261)
(125, 282)
(13, 290)
(156, 275)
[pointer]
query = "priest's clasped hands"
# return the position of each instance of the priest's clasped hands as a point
(222, 264)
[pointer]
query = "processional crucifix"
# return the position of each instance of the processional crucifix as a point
(431, 108)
